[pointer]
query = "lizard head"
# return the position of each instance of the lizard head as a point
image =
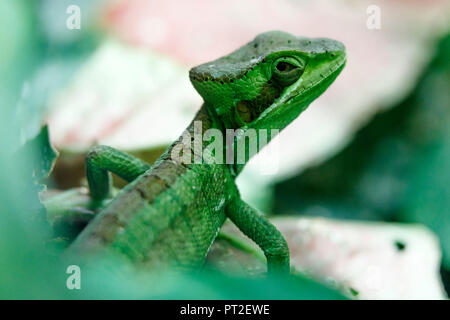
(268, 82)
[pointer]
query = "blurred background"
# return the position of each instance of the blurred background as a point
(361, 189)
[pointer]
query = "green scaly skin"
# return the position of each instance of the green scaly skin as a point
(170, 213)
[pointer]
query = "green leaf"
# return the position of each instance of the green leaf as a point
(36, 158)
(44, 154)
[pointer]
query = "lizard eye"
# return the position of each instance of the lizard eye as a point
(287, 70)
(284, 67)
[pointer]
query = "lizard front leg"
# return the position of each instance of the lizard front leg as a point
(101, 160)
(70, 211)
(263, 233)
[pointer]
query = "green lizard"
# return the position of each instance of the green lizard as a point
(170, 213)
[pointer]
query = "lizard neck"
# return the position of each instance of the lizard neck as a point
(206, 141)
(205, 134)
(240, 144)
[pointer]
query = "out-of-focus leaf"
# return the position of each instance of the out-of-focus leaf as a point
(23, 269)
(111, 280)
(429, 193)
(37, 158)
(45, 155)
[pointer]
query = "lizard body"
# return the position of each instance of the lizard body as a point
(170, 213)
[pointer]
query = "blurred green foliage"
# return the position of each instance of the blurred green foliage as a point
(397, 168)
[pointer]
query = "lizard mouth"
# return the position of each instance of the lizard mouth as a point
(326, 78)
(323, 80)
